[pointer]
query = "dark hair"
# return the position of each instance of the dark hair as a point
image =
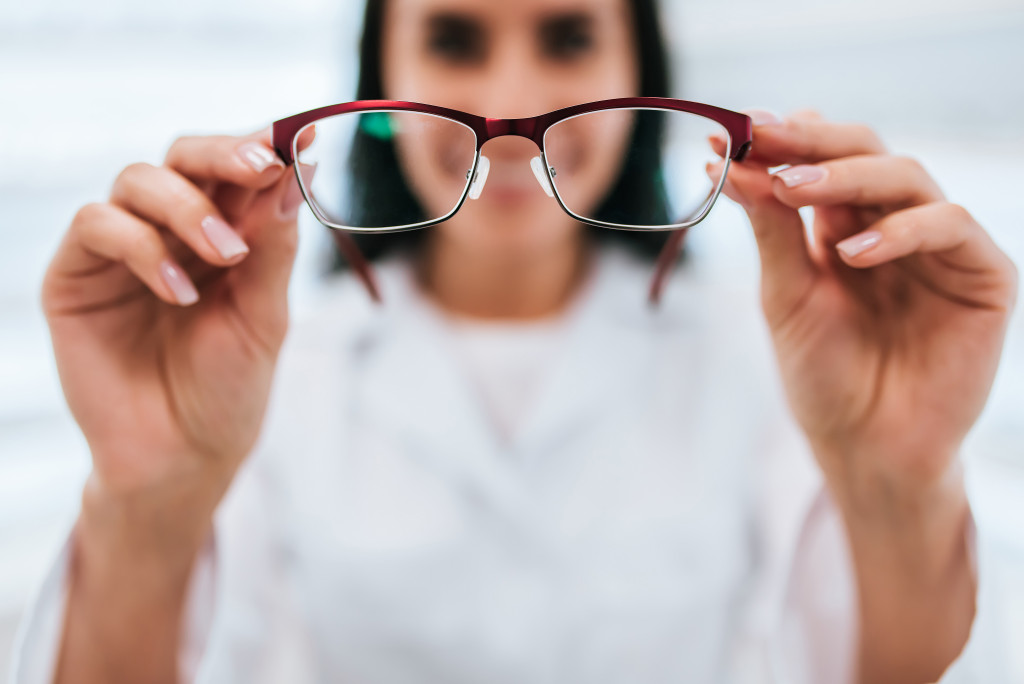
(638, 191)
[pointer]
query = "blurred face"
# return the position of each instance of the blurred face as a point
(509, 59)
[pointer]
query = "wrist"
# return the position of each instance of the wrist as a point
(130, 568)
(153, 535)
(866, 480)
(910, 523)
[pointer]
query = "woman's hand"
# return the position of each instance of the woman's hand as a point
(888, 328)
(167, 305)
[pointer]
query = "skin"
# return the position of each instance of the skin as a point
(170, 397)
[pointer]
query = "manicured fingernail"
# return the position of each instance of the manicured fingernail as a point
(852, 246)
(763, 117)
(179, 282)
(223, 238)
(258, 156)
(799, 175)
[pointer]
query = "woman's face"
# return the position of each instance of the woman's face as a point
(508, 59)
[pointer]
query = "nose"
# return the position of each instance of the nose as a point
(512, 156)
(515, 85)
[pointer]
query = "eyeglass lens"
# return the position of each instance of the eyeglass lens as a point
(384, 169)
(653, 159)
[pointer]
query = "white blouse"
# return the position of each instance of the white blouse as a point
(642, 510)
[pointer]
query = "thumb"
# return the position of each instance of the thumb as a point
(260, 281)
(787, 269)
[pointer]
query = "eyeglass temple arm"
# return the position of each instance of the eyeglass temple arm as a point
(364, 271)
(667, 259)
(663, 267)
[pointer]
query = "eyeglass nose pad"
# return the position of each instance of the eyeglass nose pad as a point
(537, 164)
(479, 178)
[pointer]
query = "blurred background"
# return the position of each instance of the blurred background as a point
(88, 88)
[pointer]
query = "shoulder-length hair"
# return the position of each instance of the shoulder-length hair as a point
(638, 191)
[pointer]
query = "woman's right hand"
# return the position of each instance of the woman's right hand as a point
(167, 306)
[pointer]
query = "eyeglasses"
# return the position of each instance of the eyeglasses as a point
(379, 166)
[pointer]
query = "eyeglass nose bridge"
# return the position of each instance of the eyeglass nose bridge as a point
(524, 128)
(498, 128)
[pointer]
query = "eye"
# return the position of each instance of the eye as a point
(455, 39)
(567, 38)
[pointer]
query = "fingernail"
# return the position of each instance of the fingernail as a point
(799, 175)
(852, 246)
(223, 238)
(180, 284)
(258, 156)
(763, 117)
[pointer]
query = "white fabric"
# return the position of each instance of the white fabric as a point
(506, 362)
(654, 517)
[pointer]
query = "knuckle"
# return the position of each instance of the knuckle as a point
(920, 181)
(900, 226)
(805, 114)
(184, 202)
(89, 214)
(189, 208)
(130, 177)
(958, 213)
(869, 136)
(911, 165)
(177, 146)
(141, 246)
(181, 195)
(859, 194)
(806, 144)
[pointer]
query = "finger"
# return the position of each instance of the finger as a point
(234, 200)
(864, 180)
(103, 232)
(805, 114)
(247, 161)
(938, 228)
(260, 283)
(165, 198)
(831, 224)
(787, 269)
(809, 141)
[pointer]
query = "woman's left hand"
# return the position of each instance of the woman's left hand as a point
(888, 327)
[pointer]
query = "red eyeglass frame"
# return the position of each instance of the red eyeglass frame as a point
(739, 127)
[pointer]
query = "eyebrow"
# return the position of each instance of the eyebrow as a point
(567, 20)
(449, 20)
(551, 22)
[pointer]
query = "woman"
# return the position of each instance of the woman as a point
(381, 526)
